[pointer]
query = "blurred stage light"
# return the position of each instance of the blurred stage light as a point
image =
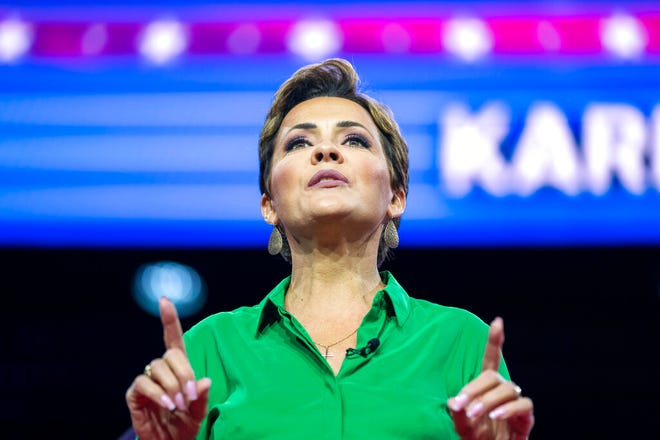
(163, 41)
(244, 40)
(395, 38)
(623, 36)
(314, 40)
(179, 283)
(467, 38)
(548, 36)
(15, 40)
(94, 39)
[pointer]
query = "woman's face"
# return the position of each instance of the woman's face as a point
(329, 166)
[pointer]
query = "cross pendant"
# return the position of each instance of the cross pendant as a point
(327, 354)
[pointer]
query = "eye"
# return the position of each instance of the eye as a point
(356, 140)
(297, 142)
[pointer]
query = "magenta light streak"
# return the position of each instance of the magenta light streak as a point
(512, 35)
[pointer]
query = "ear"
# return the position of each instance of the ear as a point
(267, 210)
(397, 204)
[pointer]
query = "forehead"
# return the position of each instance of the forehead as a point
(328, 109)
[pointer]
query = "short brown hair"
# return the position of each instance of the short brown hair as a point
(334, 77)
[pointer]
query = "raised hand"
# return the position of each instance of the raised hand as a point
(491, 407)
(166, 402)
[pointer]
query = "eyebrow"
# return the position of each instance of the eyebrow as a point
(347, 124)
(312, 126)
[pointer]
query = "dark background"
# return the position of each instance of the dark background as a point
(582, 329)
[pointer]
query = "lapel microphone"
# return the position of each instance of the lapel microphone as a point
(371, 346)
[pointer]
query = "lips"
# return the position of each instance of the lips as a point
(327, 178)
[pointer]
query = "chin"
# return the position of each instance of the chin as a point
(330, 204)
(330, 214)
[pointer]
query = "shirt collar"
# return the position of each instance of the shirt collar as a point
(272, 306)
(398, 297)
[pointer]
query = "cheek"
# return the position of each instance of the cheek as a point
(380, 176)
(282, 179)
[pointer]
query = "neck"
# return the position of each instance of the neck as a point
(332, 284)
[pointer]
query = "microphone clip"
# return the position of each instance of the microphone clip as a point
(371, 346)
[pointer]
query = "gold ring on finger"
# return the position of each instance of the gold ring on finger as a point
(147, 370)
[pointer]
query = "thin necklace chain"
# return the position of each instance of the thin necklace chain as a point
(327, 347)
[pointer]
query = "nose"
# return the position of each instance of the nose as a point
(326, 152)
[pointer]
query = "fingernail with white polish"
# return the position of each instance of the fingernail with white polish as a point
(458, 402)
(180, 402)
(191, 390)
(475, 409)
(167, 402)
(496, 413)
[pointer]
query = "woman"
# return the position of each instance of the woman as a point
(338, 349)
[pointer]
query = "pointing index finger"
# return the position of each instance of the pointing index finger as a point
(172, 332)
(493, 351)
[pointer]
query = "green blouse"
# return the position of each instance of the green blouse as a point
(271, 382)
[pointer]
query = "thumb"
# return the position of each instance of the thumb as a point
(198, 408)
